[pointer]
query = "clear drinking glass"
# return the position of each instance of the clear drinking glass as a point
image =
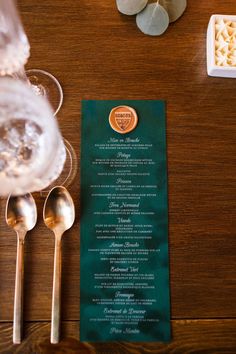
(15, 51)
(69, 170)
(14, 45)
(32, 152)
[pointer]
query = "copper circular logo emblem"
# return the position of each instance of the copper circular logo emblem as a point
(123, 119)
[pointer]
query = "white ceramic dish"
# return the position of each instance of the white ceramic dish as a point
(212, 68)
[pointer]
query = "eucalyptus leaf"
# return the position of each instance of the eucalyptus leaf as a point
(153, 20)
(175, 8)
(131, 7)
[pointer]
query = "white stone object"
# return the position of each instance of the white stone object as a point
(131, 7)
(153, 20)
(175, 8)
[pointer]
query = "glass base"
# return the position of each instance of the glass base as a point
(69, 170)
(45, 84)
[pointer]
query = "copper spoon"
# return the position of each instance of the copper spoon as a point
(21, 215)
(59, 216)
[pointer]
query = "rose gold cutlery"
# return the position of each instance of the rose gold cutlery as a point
(21, 216)
(59, 216)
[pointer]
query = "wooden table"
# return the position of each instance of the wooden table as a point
(96, 53)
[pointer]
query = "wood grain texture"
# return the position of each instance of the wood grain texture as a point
(97, 53)
(206, 336)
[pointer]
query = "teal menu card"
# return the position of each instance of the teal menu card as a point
(124, 222)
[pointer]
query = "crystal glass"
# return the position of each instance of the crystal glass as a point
(32, 152)
(14, 46)
(69, 172)
(15, 51)
(45, 84)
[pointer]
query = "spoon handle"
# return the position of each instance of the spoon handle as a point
(56, 293)
(18, 300)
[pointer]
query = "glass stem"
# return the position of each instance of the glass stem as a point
(21, 75)
(38, 89)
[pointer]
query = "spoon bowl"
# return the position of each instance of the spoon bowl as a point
(21, 212)
(59, 212)
(21, 216)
